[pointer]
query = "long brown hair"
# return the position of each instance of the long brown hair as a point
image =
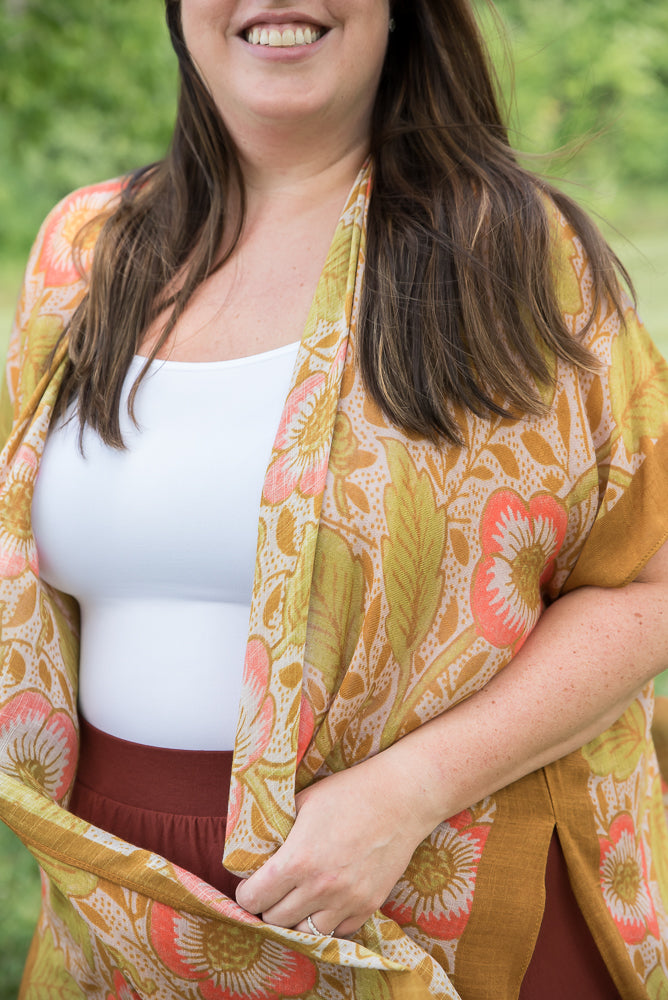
(460, 276)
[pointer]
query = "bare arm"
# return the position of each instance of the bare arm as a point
(578, 672)
(583, 665)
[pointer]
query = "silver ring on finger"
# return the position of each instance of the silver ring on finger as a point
(314, 930)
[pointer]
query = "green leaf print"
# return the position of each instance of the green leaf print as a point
(70, 880)
(47, 977)
(659, 837)
(75, 926)
(337, 609)
(638, 388)
(412, 553)
(657, 984)
(618, 750)
(296, 602)
(43, 335)
(368, 985)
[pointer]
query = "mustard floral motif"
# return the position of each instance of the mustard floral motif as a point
(624, 881)
(228, 962)
(436, 891)
(63, 227)
(17, 545)
(520, 544)
(40, 744)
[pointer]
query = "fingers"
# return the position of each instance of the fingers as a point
(326, 923)
(340, 860)
(332, 911)
(342, 919)
(316, 924)
(310, 898)
(292, 911)
(290, 885)
(267, 886)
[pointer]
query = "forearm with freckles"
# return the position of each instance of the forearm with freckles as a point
(356, 830)
(589, 656)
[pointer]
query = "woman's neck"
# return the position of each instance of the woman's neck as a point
(287, 181)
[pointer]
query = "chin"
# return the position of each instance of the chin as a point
(289, 108)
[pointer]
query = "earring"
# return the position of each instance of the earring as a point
(392, 25)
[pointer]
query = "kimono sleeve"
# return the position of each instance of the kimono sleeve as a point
(627, 408)
(26, 306)
(6, 394)
(55, 281)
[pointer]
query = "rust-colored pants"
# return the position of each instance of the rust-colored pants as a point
(174, 802)
(566, 963)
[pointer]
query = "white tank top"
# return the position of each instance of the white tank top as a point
(157, 543)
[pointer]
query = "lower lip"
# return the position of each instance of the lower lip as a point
(283, 53)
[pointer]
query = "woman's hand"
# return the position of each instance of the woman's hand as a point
(355, 832)
(353, 837)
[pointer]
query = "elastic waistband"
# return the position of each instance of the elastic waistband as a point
(183, 782)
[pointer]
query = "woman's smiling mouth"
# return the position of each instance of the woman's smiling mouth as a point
(277, 37)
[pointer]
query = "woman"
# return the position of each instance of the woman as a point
(470, 457)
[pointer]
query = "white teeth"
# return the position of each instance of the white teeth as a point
(287, 38)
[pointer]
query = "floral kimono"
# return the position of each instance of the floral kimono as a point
(394, 577)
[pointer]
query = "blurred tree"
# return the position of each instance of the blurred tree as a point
(87, 91)
(595, 66)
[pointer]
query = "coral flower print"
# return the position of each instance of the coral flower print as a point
(39, 745)
(121, 989)
(228, 962)
(17, 545)
(623, 874)
(436, 891)
(63, 227)
(302, 441)
(520, 543)
(256, 716)
(306, 727)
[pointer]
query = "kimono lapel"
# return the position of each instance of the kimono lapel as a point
(269, 742)
(115, 916)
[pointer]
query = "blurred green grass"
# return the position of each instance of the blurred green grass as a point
(640, 239)
(19, 906)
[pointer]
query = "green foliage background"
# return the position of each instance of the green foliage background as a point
(87, 91)
(588, 66)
